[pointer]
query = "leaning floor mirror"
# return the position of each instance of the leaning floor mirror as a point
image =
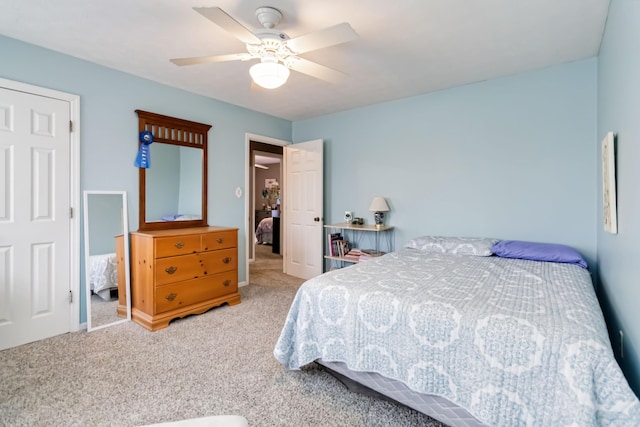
(106, 249)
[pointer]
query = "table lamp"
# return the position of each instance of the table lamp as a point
(379, 207)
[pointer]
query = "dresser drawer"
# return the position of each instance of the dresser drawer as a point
(219, 240)
(183, 294)
(178, 268)
(177, 245)
(219, 261)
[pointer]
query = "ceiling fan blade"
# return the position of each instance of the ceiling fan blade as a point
(337, 34)
(316, 70)
(226, 22)
(208, 59)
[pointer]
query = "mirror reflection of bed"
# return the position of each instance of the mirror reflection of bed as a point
(106, 253)
(103, 271)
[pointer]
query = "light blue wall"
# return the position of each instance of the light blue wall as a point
(510, 158)
(109, 127)
(619, 112)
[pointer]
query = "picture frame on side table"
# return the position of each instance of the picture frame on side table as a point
(609, 210)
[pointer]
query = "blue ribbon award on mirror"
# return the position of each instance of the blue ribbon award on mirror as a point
(143, 159)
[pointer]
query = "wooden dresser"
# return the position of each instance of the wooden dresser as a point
(180, 272)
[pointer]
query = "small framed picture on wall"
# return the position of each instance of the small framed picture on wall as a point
(270, 182)
(610, 214)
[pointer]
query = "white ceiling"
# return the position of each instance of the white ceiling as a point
(405, 47)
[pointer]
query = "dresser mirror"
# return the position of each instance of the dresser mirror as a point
(106, 254)
(174, 184)
(173, 190)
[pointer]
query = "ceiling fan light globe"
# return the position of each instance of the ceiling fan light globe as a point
(269, 75)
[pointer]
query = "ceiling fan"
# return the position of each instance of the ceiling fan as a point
(276, 51)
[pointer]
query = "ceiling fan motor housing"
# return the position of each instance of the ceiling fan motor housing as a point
(269, 17)
(273, 44)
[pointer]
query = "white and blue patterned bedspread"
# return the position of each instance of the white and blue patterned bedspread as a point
(515, 342)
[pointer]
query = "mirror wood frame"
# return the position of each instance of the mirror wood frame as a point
(174, 131)
(125, 260)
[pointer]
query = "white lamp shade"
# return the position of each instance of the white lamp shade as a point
(378, 204)
(269, 75)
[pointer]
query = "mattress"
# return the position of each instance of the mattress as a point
(512, 342)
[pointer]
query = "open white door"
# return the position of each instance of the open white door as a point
(303, 209)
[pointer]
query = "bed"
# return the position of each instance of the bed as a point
(470, 338)
(103, 274)
(264, 231)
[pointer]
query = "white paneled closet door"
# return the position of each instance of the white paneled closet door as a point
(35, 277)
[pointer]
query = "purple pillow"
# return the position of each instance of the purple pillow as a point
(538, 252)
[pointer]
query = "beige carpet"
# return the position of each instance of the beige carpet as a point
(267, 269)
(217, 363)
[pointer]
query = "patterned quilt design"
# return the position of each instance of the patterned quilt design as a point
(515, 342)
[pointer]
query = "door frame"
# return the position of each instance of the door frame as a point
(74, 190)
(247, 185)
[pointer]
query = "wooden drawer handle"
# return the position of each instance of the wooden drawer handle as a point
(227, 282)
(179, 245)
(227, 260)
(220, 240)
(171, 296)
(171, 269)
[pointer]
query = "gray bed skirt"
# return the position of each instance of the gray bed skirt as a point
(373, 384)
